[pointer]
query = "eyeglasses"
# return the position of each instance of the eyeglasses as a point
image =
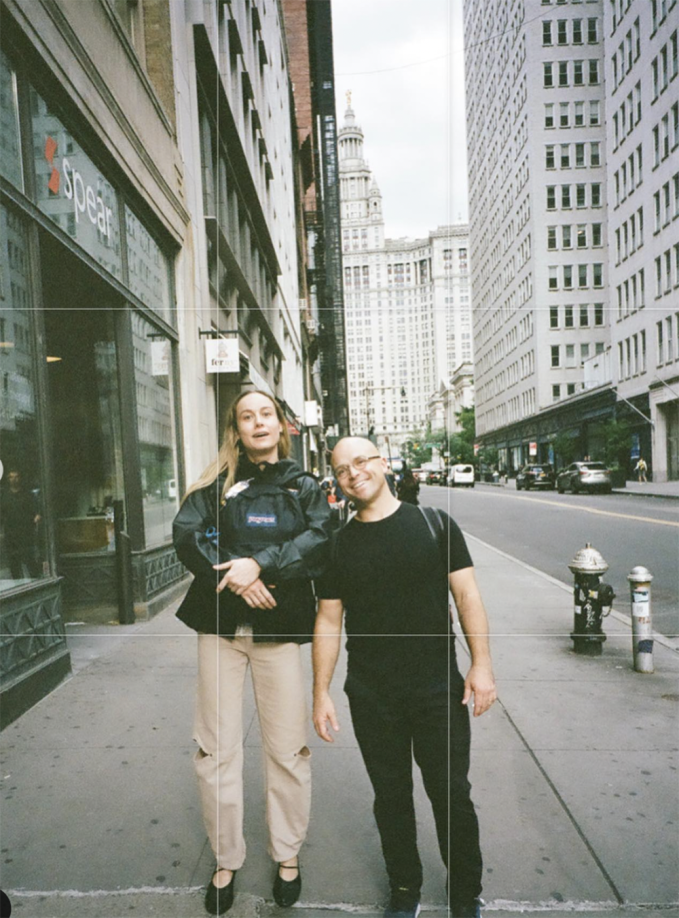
(359, 463)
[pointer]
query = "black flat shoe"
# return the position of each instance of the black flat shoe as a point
(218, 901)
(285, 892)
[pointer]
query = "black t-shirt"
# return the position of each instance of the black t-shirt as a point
(391, 578)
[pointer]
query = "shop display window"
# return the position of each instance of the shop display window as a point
(10, 139)
(149, 275)
(71, 190)
(22, 519)
(156, 426)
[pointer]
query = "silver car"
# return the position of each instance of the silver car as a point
(585, 476)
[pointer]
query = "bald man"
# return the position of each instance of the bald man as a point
(390, 572)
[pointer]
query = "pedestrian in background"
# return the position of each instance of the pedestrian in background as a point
(20, 521)
(254, 532)
(641, 468)
(408, 488)
(392, 566)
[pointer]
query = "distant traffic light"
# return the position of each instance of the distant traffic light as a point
(403, 392)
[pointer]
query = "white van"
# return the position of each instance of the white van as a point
(461, 475)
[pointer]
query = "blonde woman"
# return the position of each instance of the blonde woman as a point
(254, 531)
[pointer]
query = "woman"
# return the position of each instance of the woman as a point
(408, 488)
(254, 531)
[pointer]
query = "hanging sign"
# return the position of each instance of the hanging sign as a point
(160, 358)
(532, 448)
(221, 355)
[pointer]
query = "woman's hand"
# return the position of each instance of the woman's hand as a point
(242, 573)
(257, 596)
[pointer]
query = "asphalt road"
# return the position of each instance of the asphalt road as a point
(545, 529)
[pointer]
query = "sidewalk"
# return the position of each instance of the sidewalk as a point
(666, 489)
(574, 774)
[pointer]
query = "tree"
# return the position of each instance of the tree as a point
(617, 442)
(415, 450)
(565, 449)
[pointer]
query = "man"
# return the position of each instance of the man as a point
(405, 691)
(20, 520)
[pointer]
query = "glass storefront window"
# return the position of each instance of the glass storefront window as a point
(148, 269)
(22, 537)
(72, 191)
(10, 139)
(155, 420)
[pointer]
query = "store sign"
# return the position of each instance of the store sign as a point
(222, 356)
(72, 191)
(160, 358)
(86, 202)
(312, 413)
(532, 448)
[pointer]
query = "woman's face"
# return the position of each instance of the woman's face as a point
(258, 427)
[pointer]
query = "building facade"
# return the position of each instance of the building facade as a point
(149, 189)
(536, 132)
(642, 118)
(407, 306)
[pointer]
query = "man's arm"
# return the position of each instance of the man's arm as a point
(480, 680)
(325, 650)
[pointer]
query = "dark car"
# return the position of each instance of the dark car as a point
(536, 475)
(585, 476)
(436, 477)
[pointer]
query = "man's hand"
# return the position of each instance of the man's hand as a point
(257, 596)
(480, 683)
(324, 711)
(242, 573)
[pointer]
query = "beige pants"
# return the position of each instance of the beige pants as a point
(281, 705)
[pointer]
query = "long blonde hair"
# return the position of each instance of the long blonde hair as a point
(230, 450)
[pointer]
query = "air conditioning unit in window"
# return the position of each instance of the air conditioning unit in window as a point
(312, 326)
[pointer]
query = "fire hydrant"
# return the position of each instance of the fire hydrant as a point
(590, 597)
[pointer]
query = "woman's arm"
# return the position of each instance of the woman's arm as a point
(305, 556)
(197, 514)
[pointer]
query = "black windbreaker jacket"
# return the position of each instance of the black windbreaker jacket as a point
(203, 535)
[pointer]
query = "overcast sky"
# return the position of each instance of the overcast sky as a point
(413, 116)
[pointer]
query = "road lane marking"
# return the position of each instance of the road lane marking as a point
(556, 503)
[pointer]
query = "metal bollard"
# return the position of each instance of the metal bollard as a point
(642, 624)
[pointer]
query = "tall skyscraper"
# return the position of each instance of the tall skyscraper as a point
(536, 131)
(407, 305)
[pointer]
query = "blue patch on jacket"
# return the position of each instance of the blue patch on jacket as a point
(268, 520)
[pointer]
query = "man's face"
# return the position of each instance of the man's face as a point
(359, 469)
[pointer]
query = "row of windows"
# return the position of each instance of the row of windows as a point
(567, 354)
(631, 294)
(573, 155)
(628, 116)
(569, 389)
(659, 9)
(665, 209)
(665, 65)
(591, 110)
(564, 2)
(564, 316)
(580, 196)
(629, 176)
(578, 29)
(667, 339)
(618, 10)
(586, 277)
(632, 355)
(629, 236)
(567, 73)
(584, 235)
(629, 51)
(667, 271)
(666, 135)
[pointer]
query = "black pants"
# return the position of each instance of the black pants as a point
(431, 724)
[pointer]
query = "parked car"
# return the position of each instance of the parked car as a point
(436, 477)
(536, 475)
(421, 475)
(585, 476)
(461, 475)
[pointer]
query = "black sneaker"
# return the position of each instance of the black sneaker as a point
(405, 903)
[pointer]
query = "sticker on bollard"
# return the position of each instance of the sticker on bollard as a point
(645, 647)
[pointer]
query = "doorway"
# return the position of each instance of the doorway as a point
(86, 442)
